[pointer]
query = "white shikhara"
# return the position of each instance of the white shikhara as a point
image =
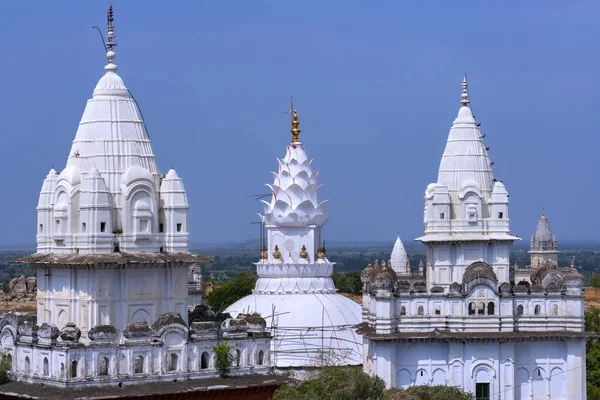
(465, 323)
(112, 266)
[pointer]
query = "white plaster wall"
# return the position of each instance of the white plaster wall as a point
(112, 296)
(525, 370)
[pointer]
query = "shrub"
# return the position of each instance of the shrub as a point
(5, 368)
(223, 359)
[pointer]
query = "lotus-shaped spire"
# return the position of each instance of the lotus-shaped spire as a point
(294, 188)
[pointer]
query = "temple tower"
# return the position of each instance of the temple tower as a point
(544, 246)
(312, 325)
(112, 231)
(466, 210)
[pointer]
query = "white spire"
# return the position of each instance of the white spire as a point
(465, 161)
(111, 188)
(399, 258)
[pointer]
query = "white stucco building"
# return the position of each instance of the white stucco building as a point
(311, 324)
(465, 323)
(112, 265)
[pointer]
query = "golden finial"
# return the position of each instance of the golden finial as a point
(295, 122)
(295, 127)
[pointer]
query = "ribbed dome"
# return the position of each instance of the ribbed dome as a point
(479, 270)
(294, 201)
(112, 135)
(465, 157)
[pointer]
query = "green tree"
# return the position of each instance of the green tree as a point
(351, 383)
(223, 359)
(428, 393)
(335, 383)
(228, 293)
(5, 368)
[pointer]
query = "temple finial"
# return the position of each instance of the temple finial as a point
(295, 122)
(543, 212)
(110, 54)
(464, 97)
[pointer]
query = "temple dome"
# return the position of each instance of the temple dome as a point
(479, 270)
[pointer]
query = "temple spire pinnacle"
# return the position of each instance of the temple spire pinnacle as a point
(464, 97)
(110, 53)
(295, 122)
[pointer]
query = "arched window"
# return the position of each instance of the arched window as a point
(238, 357)
(27, 366)
(103, 366)
(554, 309)
(138, 365)
(520, 309)
(481, 309)
(402, 310)
(74, 369)
(173, 361)
(62, 370)
(471, 308)
(46, 368)
(420, 310)
(9, 359)
(491, 308)
(204, 361)
(261, 356)
(537, 309)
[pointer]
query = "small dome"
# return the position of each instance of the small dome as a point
(47, 331)
(137, 330)
(111, 84)
(70, 333)
(365, 275)
(479, 270)
(455, 287)
(103, 332)
(384, 277)
(505, 288)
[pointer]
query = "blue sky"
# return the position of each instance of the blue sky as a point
(377, 86)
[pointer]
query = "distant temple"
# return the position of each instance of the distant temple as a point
(312, 325)
(464, 323)
(112, 266)
(543, 250)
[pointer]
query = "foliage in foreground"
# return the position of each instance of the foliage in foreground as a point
(335, 383)
(592, 324)
(230, 292)
(4, 369)
(223, 359)
(350, 383)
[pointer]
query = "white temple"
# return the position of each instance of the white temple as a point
(112, 265)
(311, 324)
(465, 324)
(543, 251)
